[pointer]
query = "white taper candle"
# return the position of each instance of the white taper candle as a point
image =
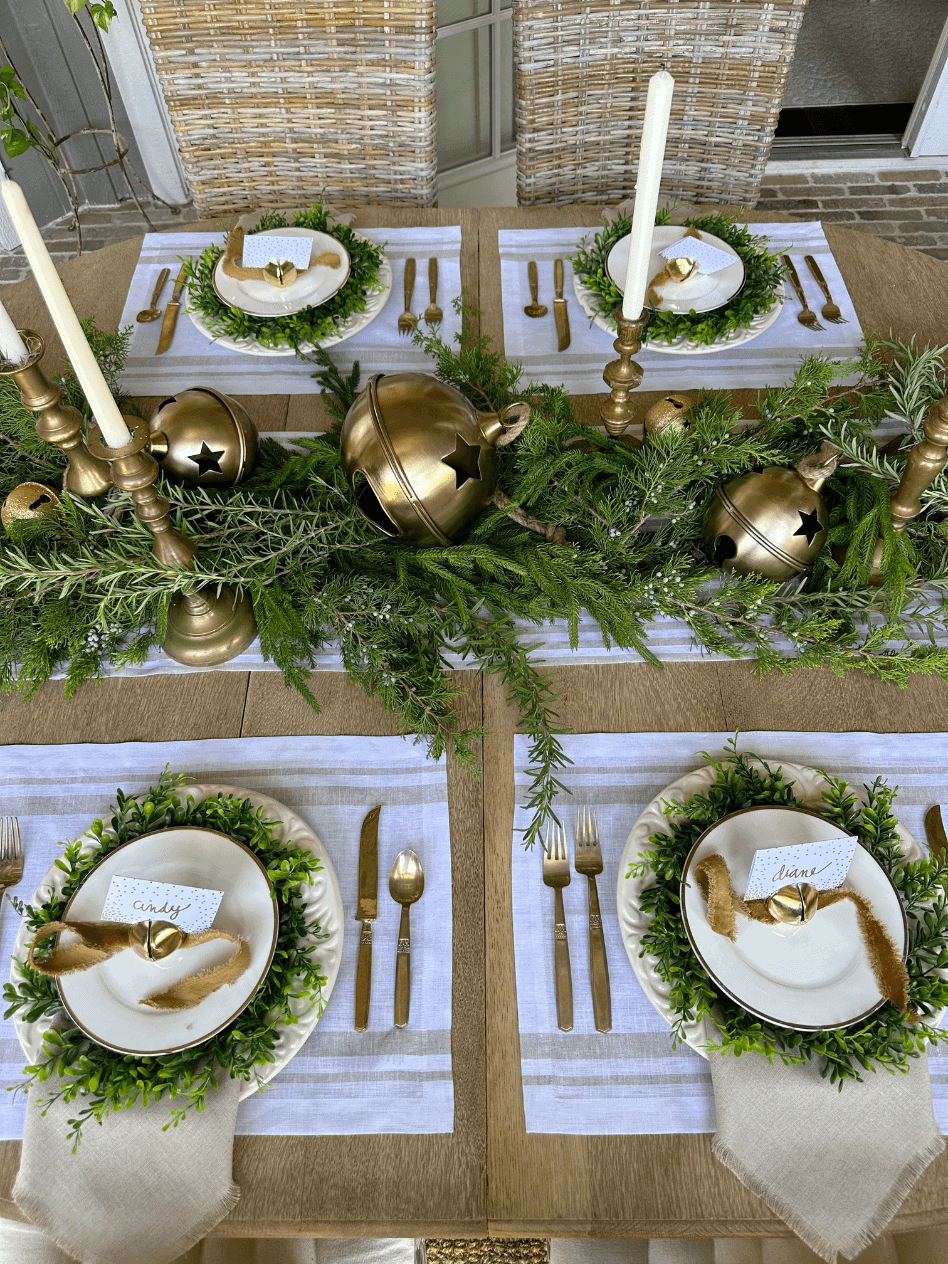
(12, 346)
(115, 433)
(651, 157)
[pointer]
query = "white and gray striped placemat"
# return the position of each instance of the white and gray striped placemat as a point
(631, 1080)
(771, 359)
(194, 360)
(342, 1081)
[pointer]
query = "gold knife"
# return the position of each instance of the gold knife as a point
(366, 913)
(560, 313)
(935, 830)
(171, 315)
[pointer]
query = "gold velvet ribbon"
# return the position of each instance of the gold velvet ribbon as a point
(98, 941)
(714, 881)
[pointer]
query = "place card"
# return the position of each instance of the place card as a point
(823, 865)
(260, 250)
(137, 900)
(710, 259)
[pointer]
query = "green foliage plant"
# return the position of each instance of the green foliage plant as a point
(886, 1039)
(101, 1081)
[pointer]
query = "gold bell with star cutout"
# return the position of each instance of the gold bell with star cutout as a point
(203, 436)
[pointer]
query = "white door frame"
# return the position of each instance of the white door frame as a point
(927, 133)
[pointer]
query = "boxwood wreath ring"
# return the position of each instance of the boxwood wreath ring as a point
(81, 593)
(886, 1039)
(100, 1080)
(763, 273)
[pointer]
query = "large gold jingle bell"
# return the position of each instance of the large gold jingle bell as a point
(420, 458)
(203, 436)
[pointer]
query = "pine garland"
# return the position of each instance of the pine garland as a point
(81, 588)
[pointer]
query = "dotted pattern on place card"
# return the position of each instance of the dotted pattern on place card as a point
(191, 909)
(259, 250)
(823, 865)
(710, 258)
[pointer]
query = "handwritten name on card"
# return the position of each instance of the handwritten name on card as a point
(823, 865)
(260, 250)
(137, 900)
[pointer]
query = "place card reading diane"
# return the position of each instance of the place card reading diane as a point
(823, 865)
(191, 909)
(259, 251)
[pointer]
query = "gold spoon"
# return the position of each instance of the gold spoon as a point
(406, 884)
(534, 308)
(153, 312)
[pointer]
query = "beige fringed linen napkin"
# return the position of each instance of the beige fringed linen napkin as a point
(131, 1191)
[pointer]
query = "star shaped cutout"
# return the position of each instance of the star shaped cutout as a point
(208, 462)
(809, 525)
(464, 460)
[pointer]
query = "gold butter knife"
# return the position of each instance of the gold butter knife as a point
(171, 315)
(561, 315)
(366, 913)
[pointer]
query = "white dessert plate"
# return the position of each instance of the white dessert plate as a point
(702, 292)
(815, 977)
(314, 286)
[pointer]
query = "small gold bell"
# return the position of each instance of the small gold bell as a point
(28, 500)
(154, 940)
(280, 273)
(667, 413)
(794, 904)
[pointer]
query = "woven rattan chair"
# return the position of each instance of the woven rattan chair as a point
(277, 102)
(582, 70)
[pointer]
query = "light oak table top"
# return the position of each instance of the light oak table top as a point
(490, 1175)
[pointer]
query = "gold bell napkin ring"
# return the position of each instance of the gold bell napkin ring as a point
(278, 274)
(799, 904)
(98, 941)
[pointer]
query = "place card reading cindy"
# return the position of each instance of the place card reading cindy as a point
(259, 251)
(710, 259)
(137, 900)
(823, 865)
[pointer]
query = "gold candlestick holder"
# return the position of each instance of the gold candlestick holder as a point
(925, 462)
(622, 376)
(205, 627)
(57, 423)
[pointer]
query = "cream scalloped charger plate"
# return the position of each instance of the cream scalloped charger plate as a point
(98, 999)
(801, 981)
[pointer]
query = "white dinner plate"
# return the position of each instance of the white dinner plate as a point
(634, 923)
(702, 292)
(322, 902)
(314, 286)
(818, 976)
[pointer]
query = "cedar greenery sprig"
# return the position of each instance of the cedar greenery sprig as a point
(101, 1081)
(763, 273)
(884, 1040)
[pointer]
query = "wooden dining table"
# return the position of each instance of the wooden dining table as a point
(489, 1176)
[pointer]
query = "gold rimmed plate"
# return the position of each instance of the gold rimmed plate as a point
(316, 285)
(702, 292)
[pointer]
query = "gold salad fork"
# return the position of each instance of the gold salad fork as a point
(830, 310)
(433, 313)
(11, 853)
(587, 859)
(556, 875)
(407, 323)
(806, 317)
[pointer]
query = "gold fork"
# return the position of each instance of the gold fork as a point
(11, 853)
(587, 859)
(806, 317)
(433, 313)
(407, 323)
(830, 310)
(556, 875)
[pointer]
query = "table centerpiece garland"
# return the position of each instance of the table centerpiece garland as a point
(311, 324)
(887, 1039)
(763, 273)
(100, 1080)
(80, 587)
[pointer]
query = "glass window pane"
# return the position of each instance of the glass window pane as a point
(507, 122)
(463, 85)
(506, 4)
(460, 10)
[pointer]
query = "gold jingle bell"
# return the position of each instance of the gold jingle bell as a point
(794, 904)
(154, 940)
(419, 457)
(772, 523)
(203, 436)
(28, 501)
(668, 413)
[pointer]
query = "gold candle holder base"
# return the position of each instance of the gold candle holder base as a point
(622, 376)
(57, 423)
(205, 627)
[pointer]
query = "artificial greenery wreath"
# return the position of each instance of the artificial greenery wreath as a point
(886, 1038)
(763, 273)
(311, 324)
(101, 1081)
